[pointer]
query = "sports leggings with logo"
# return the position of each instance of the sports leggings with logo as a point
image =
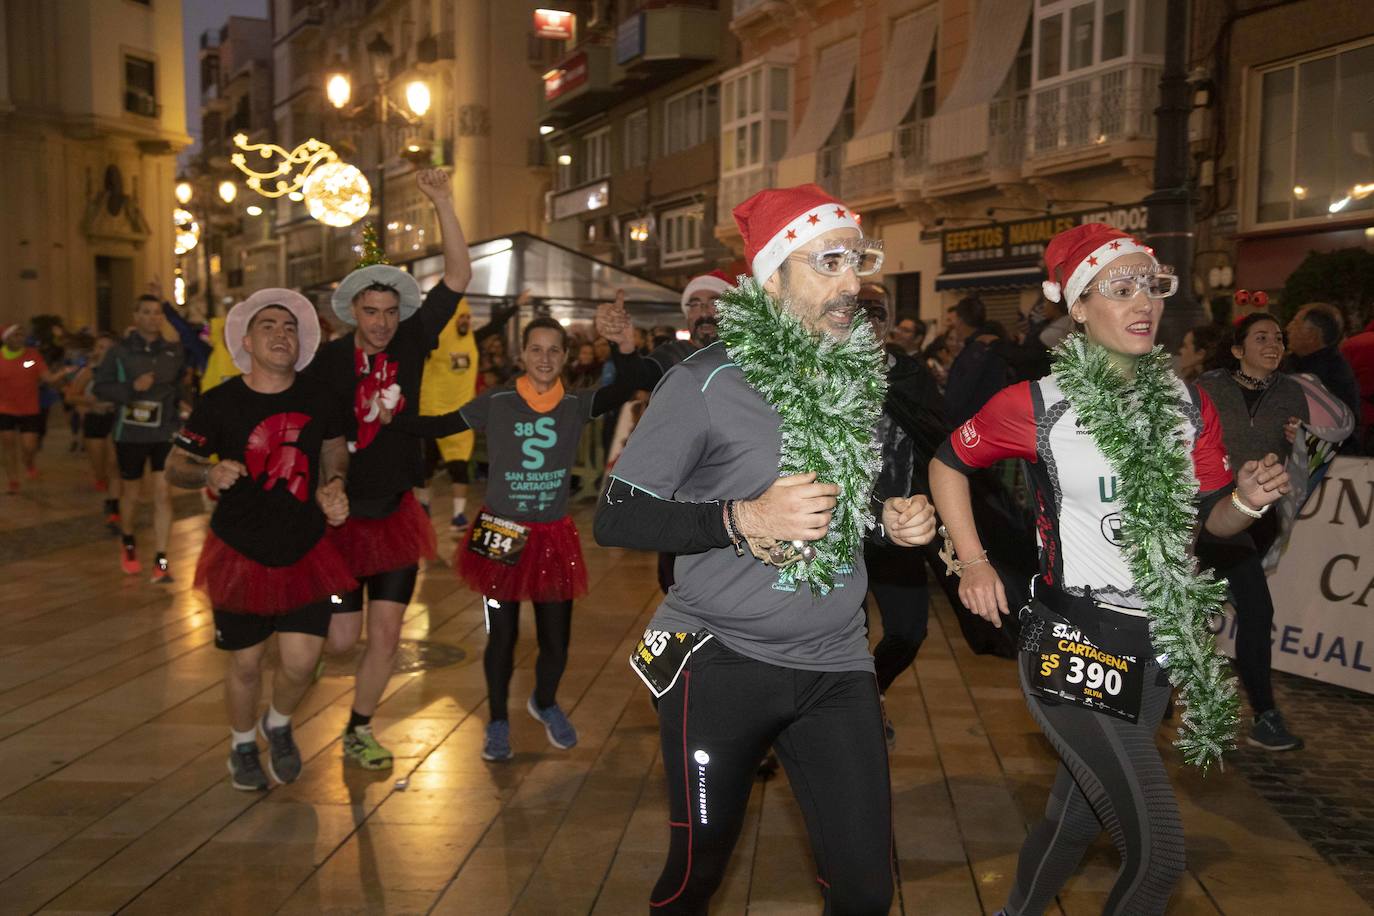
(553, 628)
(1111, 778)
(717, 723)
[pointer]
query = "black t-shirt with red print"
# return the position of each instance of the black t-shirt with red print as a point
(269, 515)
(385, 463)
(1077, 497)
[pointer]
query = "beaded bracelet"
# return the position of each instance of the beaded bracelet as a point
(1243, 509)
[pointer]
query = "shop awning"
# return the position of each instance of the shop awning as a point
(960, 128)
(997, 31)
(570, 283)
(830, 83)
(992, 279)
(909, 49)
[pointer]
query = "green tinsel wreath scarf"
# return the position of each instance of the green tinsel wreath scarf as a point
(1140, 428)
(829, 394)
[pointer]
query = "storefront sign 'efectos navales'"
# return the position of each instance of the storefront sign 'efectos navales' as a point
(1021, 242)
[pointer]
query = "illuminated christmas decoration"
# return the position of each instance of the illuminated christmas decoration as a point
(337, 194)
(187, 230)
(290, 168)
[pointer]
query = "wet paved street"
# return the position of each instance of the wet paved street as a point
(113, 793)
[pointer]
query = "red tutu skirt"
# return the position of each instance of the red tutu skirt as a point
(235, 583)
(550, 568)
(377, 545)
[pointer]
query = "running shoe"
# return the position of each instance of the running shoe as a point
(283, 757)
(245, 769)
(161, 574)
(128, 560)
(112, 522)
(561, 733)
(496, 746)
(360, 747)
(1270, 733)
(459, 523)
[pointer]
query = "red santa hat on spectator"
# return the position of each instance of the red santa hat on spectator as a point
(1074, 257)
(777, 221)
(715, 284)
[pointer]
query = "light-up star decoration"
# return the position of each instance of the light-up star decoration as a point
(335, 192)
(291, 168)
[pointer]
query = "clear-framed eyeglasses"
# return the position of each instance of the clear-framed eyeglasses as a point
(863, 256)
(1124, 289)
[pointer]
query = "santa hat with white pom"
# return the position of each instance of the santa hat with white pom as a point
(1075, 256)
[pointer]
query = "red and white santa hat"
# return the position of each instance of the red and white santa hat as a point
(777, 221)
(715, 284)
(1074, 257)
(9, 329)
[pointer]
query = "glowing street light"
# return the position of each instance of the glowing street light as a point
(338, 90)
(254, 210)
(228, 191)
(417, 97)
(183, 192)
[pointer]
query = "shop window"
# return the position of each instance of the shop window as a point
(1315, 160)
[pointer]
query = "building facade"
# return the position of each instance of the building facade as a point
(965, 134)
(89, 132)
(479, 124)
(631, 123)
(1283, 137)
(237, 252)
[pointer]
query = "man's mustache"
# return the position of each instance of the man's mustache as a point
(703, 321)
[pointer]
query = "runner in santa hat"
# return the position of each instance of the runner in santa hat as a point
(1124, 460)
(755, 462)
(374, 375)
(279, 459)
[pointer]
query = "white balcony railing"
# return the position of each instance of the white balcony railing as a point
(913, 141)
(744, 6)
(1104, 107)
(829, 165)
(867, 180)
(1006, 142)
(737, 188)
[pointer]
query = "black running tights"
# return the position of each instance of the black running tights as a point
(553, 627)
(717, 723)
(1111, 778)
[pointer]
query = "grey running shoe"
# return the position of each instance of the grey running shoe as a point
(245, 769)
(561, 733)
(1270, 733)
(283, 757)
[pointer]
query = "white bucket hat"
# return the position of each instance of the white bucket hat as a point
(407, 290)
(307, 324)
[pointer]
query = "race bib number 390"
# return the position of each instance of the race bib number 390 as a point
(1068, 668)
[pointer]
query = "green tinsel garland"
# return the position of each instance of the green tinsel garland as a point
(1139, 427)
(829, 394)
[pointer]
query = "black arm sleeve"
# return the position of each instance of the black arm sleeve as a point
(435, 311)
(632, 373)
(630, 517)
(497, 324)
(432, 427)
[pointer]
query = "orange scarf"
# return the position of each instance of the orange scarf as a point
(539, 403)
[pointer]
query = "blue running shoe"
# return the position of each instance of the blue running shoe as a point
(561, 733)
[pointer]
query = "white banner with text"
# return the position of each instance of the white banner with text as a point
(1324, 586)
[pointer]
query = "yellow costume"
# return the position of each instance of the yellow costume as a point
(450, 381)
(220, 366)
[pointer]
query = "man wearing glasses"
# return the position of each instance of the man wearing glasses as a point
(741, 656)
